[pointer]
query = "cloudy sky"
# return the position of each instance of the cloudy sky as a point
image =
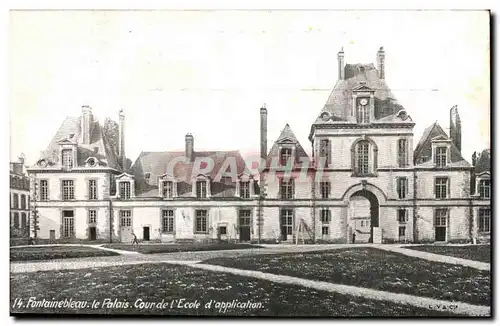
(208, 73)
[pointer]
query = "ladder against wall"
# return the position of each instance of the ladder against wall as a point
(303, 229)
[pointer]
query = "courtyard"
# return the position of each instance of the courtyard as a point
(268, 280)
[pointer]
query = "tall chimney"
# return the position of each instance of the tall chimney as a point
(190, 147)
(381, 63)
(86, 124)
(263, 132)
(121, 141)
(456, 128)
(341, 68)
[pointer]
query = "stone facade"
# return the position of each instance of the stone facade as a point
(363, 182)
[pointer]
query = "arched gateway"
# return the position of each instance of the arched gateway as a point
(363, 212)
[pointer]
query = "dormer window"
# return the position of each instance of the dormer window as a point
(363, 111)
(124, 190)
(440, 156)
(484, 189)
(285, 156)
(67, 158)
(167, 189)
(245, 189)
(201, 189)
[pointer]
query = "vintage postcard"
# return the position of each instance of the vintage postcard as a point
(250, 163)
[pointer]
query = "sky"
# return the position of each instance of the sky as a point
(209, 72)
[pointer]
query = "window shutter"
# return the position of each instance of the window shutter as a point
(448, 191)
(329, 152)
(406, 186)
(280, 184)
(435, 156)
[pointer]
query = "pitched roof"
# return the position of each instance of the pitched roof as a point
(286, 136)
(483, 162)
(99, 146)
(423, 152)
(339, 102)
(157, 164)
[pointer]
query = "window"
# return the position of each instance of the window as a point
(484, 219)
(222, 230)
(362, 157)
(285, 155)
(324, 151)
(484, 189)
(68, 190)
(16, 220)
(325, 189)
(441, 187)
(440, 157)
(16, 201)
(44, 189)
(325, 230)
(125, 190)
(287, 221)
(402, 231)
(363, 114)
(92, 216)
(325, 216)
(201, 189)
(244, 217)
(440, 217)
(167, 221)
(245, 189)
(402, 184)
(402, 153)
(286, 188)
(67, 158)
(201, 221)
(24, 221)
(92, 189)
(23, 201)
(402, 215)
(147, 177)
(125, 218)
(68, 227)
(168, 189)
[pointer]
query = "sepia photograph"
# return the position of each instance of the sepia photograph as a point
(271, 163)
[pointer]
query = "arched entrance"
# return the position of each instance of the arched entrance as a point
(363, 216)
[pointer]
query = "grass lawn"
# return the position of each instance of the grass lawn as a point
(377, 269)
(477, 252)
(47, 253)
(166, 248)
(154, 283)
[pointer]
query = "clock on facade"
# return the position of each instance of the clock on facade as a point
(363, 101)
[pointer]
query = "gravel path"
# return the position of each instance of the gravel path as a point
(436, 257)
(400, 298)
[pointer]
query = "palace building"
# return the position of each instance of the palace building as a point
(364, 180)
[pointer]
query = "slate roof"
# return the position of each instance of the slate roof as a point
(422, 155)
(339, 103)
(286, 135)
(483, 163)
(99, 147)
(156, 164)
